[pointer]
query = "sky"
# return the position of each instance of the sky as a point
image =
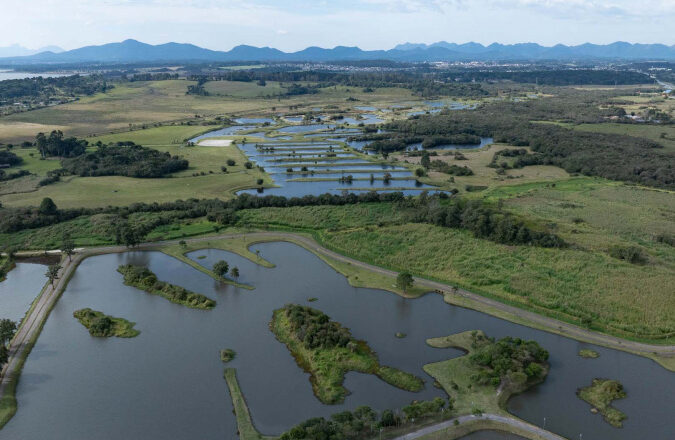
(292, 25)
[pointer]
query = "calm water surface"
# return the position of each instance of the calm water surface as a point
(167, 382)
(22, 285)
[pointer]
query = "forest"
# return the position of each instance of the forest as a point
(124, 160)
(46, 88)
(612, 156)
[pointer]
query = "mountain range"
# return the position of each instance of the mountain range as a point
(16, 50)
(131, 51)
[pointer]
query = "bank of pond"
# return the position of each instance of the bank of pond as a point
(168, 381)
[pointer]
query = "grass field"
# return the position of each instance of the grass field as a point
(478, 160)
(203, 179)
(572, 284)
(142, 103)
(663, 134)
(454, 375)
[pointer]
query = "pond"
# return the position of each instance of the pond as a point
(227, 131)
(255, 121)
(278, 161)
(168, 382)
(20, 288)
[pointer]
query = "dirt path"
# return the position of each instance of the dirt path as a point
(500, 420)
(32, 323)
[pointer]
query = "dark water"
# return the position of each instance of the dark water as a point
(167, 383)
(22, 285)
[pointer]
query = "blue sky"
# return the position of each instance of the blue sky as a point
(369, 24)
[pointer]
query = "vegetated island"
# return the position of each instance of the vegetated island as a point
(143, 278)
(492, 371)
(227, 355)
(102, 325)
(587, 353)
(600, 394)
(327, 351)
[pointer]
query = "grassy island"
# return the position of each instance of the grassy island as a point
(588, 353)
(142, 278)
(490, 373)
(102, 325)
(600, 394)
(327, 351)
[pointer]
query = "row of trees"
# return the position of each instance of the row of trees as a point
(364, 422)
(481, 219)
(56, 145)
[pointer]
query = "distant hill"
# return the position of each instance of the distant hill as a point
(16, 50)
(130, 51)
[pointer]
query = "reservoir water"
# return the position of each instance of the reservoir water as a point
(168, 382)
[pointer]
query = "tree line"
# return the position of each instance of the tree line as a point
(364, 422)
(476, 216)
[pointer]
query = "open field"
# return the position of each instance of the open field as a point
(203, 179)
(663, 134)
(478, 160)
(153, 136)
(141, 104)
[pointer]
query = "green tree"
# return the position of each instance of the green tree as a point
(235, 272)
(47, 207)
(404, 281)
(4, 356)
(68, 247)
(221, 268)
(425, 161)
(53, 273)
(7, 330)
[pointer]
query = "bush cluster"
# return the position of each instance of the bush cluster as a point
(509, 358)
(315, 329)
(128, 160)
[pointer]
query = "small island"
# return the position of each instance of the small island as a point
(492, 371)
(227, 355)
(600, 394)
(328, 351)
(104, 326)
(587, 353)
(142, 278)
